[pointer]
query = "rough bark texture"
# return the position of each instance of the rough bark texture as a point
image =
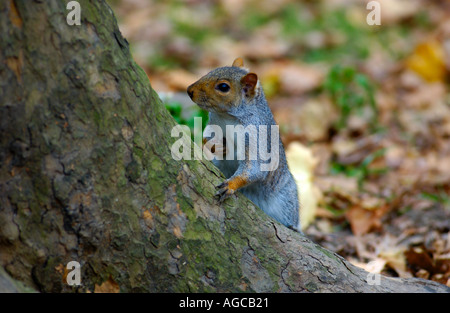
(86, 174)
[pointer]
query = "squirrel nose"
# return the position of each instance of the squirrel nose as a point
(190, 92)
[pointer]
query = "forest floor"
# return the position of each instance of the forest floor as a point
(364, 110)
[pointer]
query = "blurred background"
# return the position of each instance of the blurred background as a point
(364, 110)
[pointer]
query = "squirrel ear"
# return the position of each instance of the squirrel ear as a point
(249, 83)
(238, 62)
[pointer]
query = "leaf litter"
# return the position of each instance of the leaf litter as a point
(364, 111)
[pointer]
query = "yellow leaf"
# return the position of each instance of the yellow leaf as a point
(302, 163)
(428, 60)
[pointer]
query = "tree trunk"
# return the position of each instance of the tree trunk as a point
(87, 175)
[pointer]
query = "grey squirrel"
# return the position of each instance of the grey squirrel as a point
(233, 96)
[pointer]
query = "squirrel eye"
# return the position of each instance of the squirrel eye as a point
(223, 87)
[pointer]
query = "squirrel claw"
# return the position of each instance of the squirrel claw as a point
(223, 192)
(221, 185)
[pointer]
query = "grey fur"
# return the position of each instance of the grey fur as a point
(275, 192)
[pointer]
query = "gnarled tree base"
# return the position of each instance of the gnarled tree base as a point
(86, 175)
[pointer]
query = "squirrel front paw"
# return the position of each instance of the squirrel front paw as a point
(229, 187)
(223, 191)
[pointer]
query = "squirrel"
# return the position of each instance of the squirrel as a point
(233, 96)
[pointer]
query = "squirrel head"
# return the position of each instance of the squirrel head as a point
(225, 88)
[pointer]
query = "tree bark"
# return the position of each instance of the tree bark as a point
(87, 175)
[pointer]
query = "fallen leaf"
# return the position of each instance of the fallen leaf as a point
(362, 220)
(179, 79)
(298, 78)
(374, 266)
(265, 43)
(108, 286)
(312, 119)
(393, 11)
(419, 258)
(428, 60)
(302, 163)
(395, 259)
(343, 185)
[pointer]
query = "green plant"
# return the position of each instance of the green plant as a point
(350, 92)
(440, 197)
(176, 110)
(361, 171)
(353, 43)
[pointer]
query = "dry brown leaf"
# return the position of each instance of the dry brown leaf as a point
(265, 43)
(393, 11)
(315, 119)
(374, 266)
(311, 119)
(363, 220)
(293, 78)
(418, 257)
(350, 151)
(108, 286)
(298, 78)
(395, 259)
(179, 79)
(345, 187)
